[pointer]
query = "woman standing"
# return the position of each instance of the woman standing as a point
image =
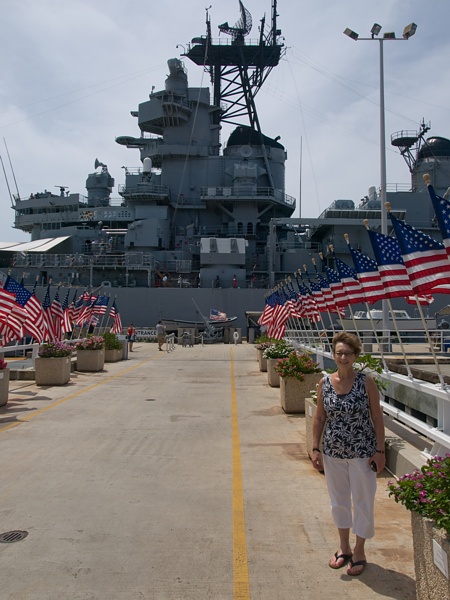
(131, 333)
(350, 416)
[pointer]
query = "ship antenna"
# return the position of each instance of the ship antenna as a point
(7, 183)
(12, 170)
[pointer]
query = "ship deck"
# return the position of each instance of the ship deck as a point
(176, 475)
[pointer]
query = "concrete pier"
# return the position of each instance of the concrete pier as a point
(176, 476)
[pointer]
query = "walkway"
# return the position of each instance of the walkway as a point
(176, 477)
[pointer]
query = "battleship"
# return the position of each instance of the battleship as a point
(200, 213)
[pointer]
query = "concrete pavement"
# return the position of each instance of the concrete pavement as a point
(176, 476)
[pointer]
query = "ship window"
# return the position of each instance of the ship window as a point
(250, 228)
(240, 228)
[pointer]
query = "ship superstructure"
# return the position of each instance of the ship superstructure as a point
(194, 207)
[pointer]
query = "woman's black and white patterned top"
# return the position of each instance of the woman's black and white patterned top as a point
(349, 431)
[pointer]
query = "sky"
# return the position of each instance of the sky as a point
(71, 72)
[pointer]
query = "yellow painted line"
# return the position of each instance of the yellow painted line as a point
(75, 395)
(240, 562)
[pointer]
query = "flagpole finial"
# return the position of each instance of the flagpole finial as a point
(321, 255)
(313, 260)
(388, 206)
(346, 238)
(331, 247)
(366, 223)
(427, 178)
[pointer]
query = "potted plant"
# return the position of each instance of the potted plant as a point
(90, 353)
(298, 373)
(261, 344)
(113, 347)
(426, 493)
(277, 349)
(4, 382)
(53, 364)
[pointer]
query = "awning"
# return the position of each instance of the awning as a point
(35, 246)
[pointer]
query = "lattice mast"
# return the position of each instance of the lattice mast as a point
(238, 69)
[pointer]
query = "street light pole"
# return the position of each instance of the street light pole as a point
(408, 32)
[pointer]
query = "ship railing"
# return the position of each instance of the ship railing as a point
(144, 188)
(72, 261)
(243, 192)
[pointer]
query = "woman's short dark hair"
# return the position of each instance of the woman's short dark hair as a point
(343, 337)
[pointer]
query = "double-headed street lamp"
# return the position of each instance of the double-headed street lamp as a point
(408, 32)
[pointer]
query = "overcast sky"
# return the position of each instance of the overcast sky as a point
(71, 71)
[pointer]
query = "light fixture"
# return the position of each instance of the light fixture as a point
(376, 28)
(390, 35)
(409, 30)
(351, 34)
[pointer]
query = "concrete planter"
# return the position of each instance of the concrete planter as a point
(52, 371)
(262, 362)
(273, 379)
(113, 355)
(293, 392)
(4, 386)
(430, 545)
(90, 360)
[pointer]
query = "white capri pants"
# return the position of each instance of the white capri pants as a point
(351, 480)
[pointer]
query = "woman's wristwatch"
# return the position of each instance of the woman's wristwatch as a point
(380, 451)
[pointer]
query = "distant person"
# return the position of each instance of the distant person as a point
(234, 281)
(164, 280)
(217, 282)
(350, 416)
(131, 334)
(180, 281)
(160, 335)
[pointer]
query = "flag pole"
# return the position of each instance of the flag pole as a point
(430, 342)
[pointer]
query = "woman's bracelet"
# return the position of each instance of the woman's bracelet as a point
(316, 449)
(380, 451)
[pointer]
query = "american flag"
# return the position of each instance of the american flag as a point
(100, 305)
(49, 333)
(425, 259)
(368, 276)
(442, 209)
(308, 302)
(86, 310)
(390, 263)
(114, 314)
(76, 308)
(350, 282)
(34, 323)
(267, 314)
(216, 315)
(328, 294)
(12, 316)
(67, 324)
(337, 289)
(57, 314)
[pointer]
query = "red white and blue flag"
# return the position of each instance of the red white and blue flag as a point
(425, 259)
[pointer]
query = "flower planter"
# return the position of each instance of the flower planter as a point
(52, 371)
(262, 362)
(431, 545)
(4, 386)
(90, 360)
(293, 392)
(113, 355)
(273, 379)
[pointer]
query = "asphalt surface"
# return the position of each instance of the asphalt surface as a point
(176, 476)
